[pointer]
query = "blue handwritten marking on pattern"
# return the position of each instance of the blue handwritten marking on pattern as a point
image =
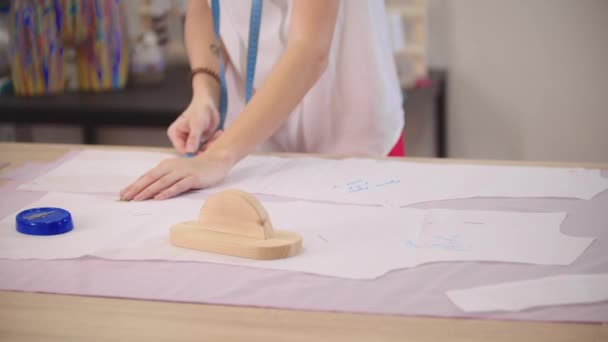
(353, 186)
(389, 182)
(360, 185)
(411, 244)
(447, 243)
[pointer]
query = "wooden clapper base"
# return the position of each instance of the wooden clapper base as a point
(233, 222)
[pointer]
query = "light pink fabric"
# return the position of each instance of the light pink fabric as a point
(416, 292)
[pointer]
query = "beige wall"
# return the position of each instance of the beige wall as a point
(528, 78)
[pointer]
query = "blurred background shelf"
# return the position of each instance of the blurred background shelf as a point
(140, 114)
(152, 106)
(138, 108)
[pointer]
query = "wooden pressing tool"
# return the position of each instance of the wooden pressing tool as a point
(235, 223)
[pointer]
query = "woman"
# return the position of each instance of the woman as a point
(325, 82)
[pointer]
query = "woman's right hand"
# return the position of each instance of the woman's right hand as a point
(198, 122)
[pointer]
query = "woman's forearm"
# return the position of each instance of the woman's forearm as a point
(298, 69)
(272, 103)
(201, 46)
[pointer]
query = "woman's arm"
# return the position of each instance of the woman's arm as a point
(300, 66)
(201, 47)
(200, 118)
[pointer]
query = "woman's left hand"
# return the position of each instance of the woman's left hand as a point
(174, 176)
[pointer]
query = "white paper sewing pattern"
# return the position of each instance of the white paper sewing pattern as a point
(357, 242)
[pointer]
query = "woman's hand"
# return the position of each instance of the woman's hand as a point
(175, 176)
(198, 122)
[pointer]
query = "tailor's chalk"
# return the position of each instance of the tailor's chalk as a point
(44, 221)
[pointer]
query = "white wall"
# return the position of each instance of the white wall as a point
(437, 44)
(528, 79)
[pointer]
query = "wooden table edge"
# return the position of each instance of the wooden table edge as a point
(546, 163)
(97, 316)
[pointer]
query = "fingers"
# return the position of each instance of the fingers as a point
(200, 119)
(183, 185)
(143, 182)
(178, 134)
(194, 140)
(161, 184)
(195, 135)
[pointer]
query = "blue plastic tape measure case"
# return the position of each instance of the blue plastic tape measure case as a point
(44, 221)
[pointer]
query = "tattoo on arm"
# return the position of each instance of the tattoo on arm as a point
(215, 49)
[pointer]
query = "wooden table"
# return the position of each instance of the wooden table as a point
(45, 317)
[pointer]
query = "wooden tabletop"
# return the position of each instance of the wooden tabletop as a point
(46, 317)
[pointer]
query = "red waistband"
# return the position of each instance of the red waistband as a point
(399, 148)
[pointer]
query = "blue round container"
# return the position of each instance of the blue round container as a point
(44, 221)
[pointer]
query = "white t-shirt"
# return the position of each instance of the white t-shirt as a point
(355, 108)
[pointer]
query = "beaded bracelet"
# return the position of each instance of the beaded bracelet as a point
(207, 71)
